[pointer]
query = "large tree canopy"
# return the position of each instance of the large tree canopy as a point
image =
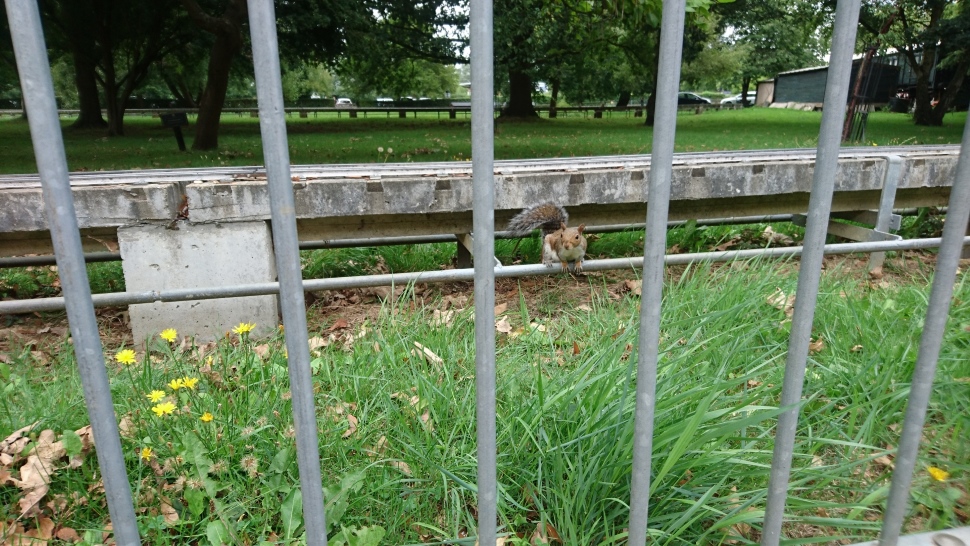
(775, 36)
(931, 34)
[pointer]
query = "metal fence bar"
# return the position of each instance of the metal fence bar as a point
(45, 132)
(810, 270)
(937, 312)
(272, 125)
(452, 275)
(483, 227)
(655, 246)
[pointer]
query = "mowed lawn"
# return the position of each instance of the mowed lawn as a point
(328, 139)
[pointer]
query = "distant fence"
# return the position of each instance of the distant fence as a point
(463, 111)
(33, 65)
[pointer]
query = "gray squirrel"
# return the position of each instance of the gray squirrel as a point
(559, 243)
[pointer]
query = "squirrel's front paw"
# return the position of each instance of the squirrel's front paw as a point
(578, 268)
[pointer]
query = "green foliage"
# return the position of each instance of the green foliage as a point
(776, 36)
(403, 471)
(928, 222)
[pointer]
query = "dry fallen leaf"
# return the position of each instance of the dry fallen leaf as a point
(501, 308)
(168, 512)
(443, 318)
(855, 349)
(544, 533)
(429, 355)
(779, 300)
(339, 324)
(576, 349)
(67, 534)
(634, 287)
(884, 461)
(351, 428)
(503, 326)
(17, 440)
(816, 346)
(402, 466)
(316, 342)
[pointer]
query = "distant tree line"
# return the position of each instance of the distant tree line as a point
(105, 53)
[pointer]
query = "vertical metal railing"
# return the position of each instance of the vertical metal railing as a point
(272, 126)
(810, 267)
(483, 228)
(45, 133)
(655, 246)
(937, 311)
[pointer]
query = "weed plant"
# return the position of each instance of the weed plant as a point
(208, 432)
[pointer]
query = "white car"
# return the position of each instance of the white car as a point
(344, 103)
(736, 99)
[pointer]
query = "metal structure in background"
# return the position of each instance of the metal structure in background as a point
(654, 248)
(810, 270)
(45, 131)
(938, 309)
(483, 225)
(272, 126)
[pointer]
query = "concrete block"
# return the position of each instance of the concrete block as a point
(196, 256)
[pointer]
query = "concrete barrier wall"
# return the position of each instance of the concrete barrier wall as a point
(334, 202)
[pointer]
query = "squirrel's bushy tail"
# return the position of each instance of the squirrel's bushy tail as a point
(549, 216)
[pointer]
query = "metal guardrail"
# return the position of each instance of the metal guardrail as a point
(45, 132)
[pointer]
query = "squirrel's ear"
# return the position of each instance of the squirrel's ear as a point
(562, 225)
(581, 228)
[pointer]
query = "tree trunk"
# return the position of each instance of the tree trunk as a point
(554, 98)
(745, 85)
(214, 96)
(651, 107)
(227, 29)
(116, 114)
(624, 99)
(87, 94)
(520, 96)
(923, 112)
(950, 93)
(652, 101)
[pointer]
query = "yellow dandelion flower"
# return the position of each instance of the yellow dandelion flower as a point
(938, 474)
(146, 453)
(125, 356)
(190, 382)
(155, 396)
(176, 384)
(244, 328)
(169, 335)
(206, 417)
(165, 408)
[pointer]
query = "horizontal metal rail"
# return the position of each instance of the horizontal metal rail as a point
(27, 261)
(92, 257)
(453, 275)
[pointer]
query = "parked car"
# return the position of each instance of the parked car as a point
(344, 103)
(736, 99)
(686, 97)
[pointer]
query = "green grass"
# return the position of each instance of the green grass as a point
(565, 400)
(147, 144)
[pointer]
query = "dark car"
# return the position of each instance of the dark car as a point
(686, 97)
